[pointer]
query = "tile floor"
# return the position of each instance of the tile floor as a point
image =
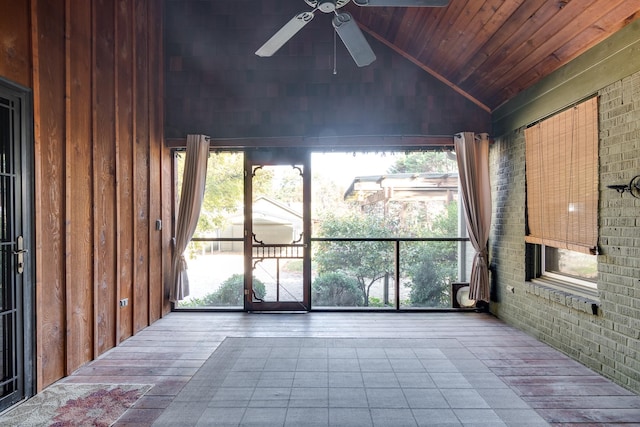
(346, 382)
(459, 369)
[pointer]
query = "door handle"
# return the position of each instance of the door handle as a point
(20, 251)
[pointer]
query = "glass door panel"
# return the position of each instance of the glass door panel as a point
(215, 255)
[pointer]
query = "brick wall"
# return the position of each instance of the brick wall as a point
(608, 342)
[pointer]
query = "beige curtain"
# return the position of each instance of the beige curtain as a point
(193, 181)
(472, 152)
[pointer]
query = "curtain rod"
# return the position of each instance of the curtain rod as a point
(336, 141)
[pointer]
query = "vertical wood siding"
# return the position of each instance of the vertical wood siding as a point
(78, 185)
(104, 184)
(140, 300)
(50, 124)
(102, 174)
(124, 144)
(159, 248)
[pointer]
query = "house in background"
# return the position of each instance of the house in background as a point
(273, 222)
(94, 95)
(434, 190)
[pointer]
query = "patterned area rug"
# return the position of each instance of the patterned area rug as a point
(70, 404)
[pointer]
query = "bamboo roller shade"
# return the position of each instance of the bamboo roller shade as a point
(562, 179)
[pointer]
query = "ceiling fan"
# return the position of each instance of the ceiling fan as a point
(343, 23)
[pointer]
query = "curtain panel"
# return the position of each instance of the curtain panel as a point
(472, 152)
(191, 196)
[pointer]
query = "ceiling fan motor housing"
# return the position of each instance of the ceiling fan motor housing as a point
(326, 6)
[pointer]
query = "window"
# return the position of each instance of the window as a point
(386, 230)
(562, 194)
(569, 265)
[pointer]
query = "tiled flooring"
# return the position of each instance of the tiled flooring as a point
(458, 369)
(346, 382)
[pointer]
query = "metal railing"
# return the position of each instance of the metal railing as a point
(280, 251)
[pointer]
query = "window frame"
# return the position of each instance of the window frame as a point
(536, 273)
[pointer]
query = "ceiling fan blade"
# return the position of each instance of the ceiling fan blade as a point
(353, 39)
(285, 33)
(403, 3)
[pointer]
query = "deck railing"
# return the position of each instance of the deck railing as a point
(392, 290)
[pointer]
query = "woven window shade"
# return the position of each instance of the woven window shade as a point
(562, 179)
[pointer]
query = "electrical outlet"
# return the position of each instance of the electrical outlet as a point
(124, 302)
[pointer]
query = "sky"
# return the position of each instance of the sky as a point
(345, 166)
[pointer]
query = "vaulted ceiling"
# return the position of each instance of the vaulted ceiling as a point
(438, 69)
(490, 50)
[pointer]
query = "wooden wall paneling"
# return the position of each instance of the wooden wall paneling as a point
(168, 224)
(104, 188)
(49, 113)
(141, 168)
(124, 132)
(79, 186)
(155, 236)
(15, 52)
(37, 179)
(154, 15)
(100, 170)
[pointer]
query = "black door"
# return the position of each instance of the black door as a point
(16, 292)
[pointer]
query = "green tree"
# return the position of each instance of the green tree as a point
(367, 261)
(327, 196)
(425, 161)
(335, 289)
(229, 294)
(287, 186)
(434, 264)
(224, 189)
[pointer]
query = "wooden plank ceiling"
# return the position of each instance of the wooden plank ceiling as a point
(490, 50)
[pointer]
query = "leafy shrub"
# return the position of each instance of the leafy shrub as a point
(293, 266)
(430, 282)
(336, 289)
(376, 302)
(230, 293)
